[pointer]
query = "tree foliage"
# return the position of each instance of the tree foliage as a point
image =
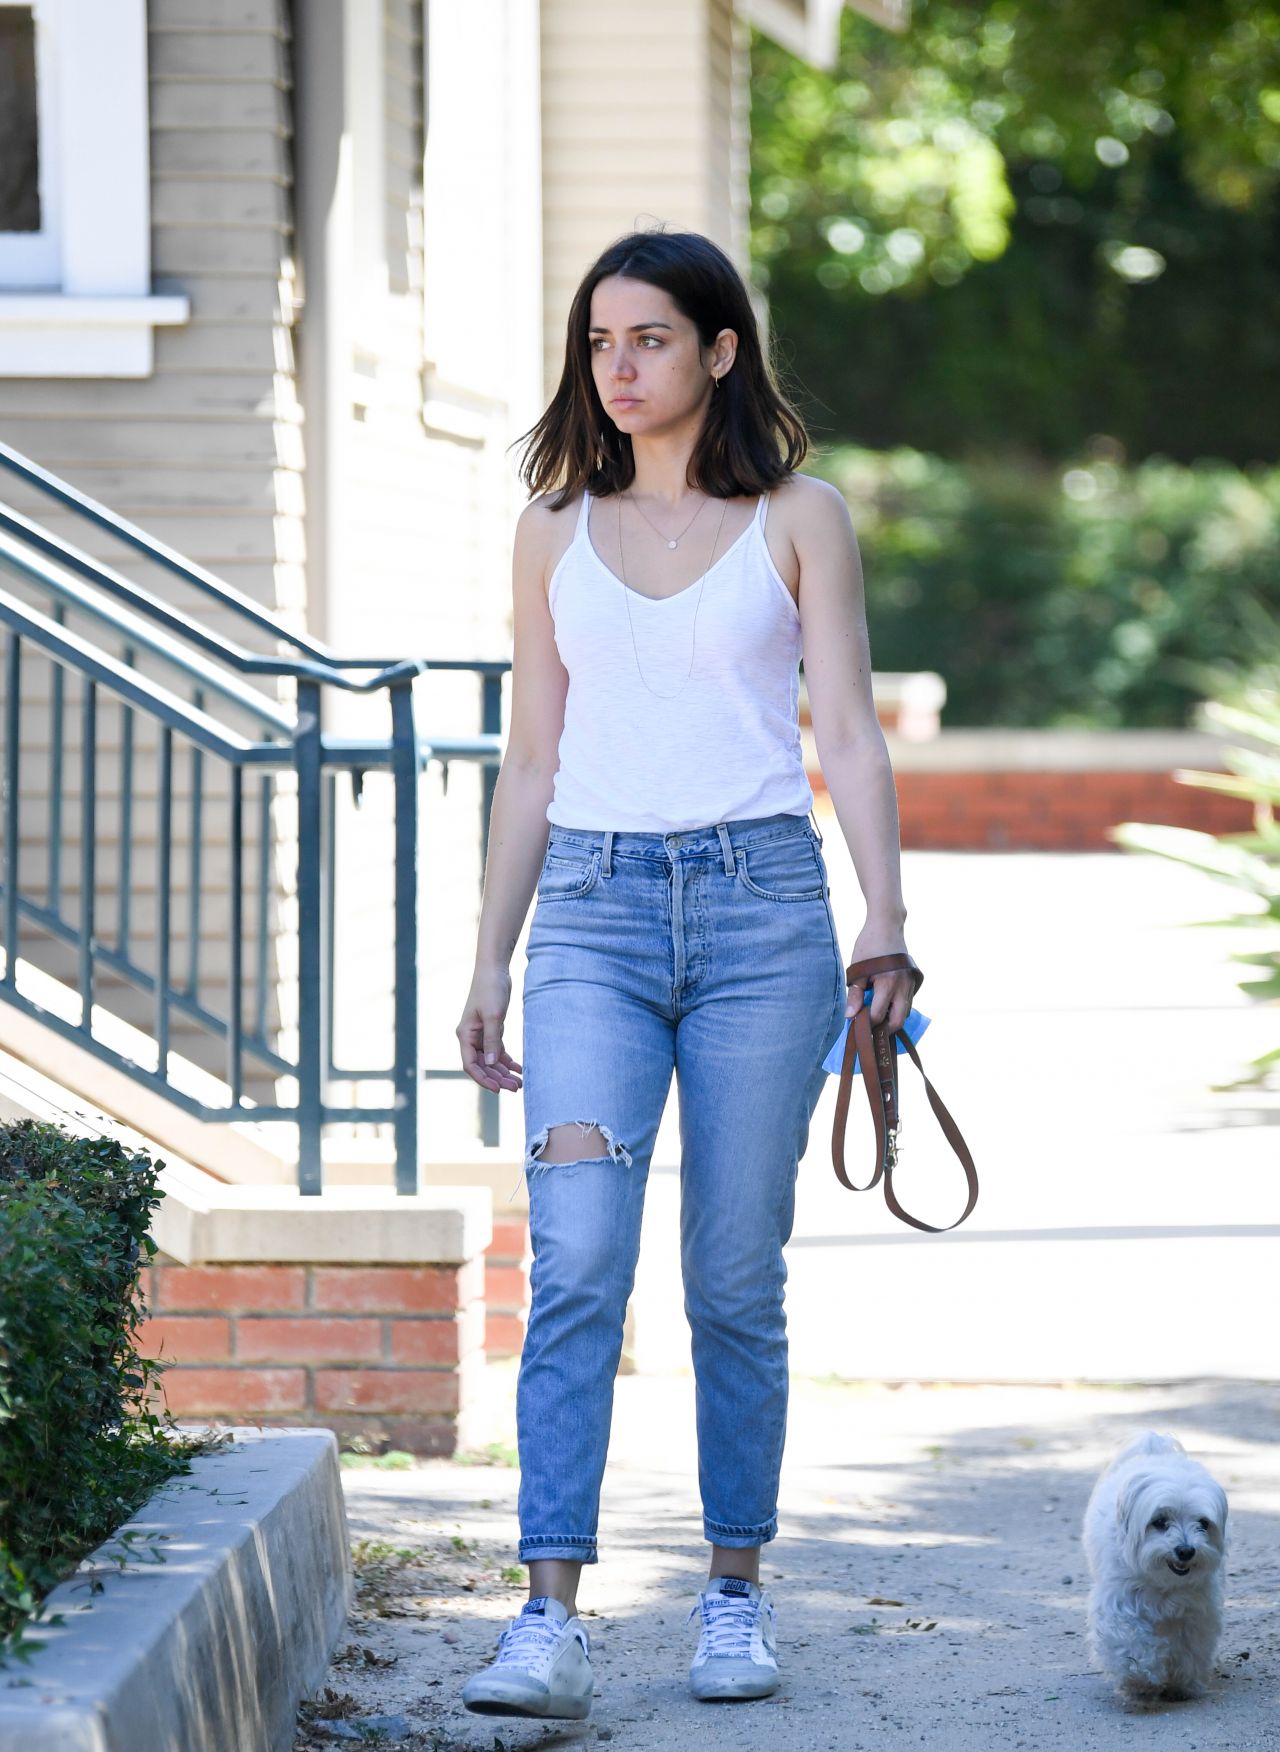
(1014, 226)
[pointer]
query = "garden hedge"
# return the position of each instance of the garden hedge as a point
(1090, 596)
(80, 1448)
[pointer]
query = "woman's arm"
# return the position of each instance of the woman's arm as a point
(850, 743)
(518, 826)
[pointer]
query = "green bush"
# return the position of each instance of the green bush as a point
(80, 1447)
(1081, 597)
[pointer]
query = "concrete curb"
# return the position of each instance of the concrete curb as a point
(213, 1648)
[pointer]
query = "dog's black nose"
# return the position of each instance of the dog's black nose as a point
(1184, 1553)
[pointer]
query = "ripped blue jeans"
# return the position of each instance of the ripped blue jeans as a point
(710, 953)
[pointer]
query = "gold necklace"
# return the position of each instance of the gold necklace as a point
(671, 541)
(626, 592)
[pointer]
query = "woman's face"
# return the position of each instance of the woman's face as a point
(649, 373)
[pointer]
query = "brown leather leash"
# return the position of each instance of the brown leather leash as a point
(878, 1062)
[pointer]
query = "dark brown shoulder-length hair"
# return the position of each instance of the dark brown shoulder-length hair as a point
(752, 438)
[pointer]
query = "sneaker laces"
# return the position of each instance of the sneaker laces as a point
(530, 1642)
(727, 1626)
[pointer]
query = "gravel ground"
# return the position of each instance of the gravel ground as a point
(928, 1576)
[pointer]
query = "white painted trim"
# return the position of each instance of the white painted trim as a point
(810, 29)
(17, 309)
(96, 315)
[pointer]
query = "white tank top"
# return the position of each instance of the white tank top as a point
(726, 748)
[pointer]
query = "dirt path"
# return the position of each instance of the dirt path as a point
(928, 1577)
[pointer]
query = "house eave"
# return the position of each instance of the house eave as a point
(810, 29)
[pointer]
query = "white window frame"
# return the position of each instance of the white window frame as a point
(76, 298)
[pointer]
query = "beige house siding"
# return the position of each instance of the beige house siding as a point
(638, 127)
(206, 453)
(444, 377)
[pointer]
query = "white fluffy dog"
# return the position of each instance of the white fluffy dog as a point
(1155, 1536)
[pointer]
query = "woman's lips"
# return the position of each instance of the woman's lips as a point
(626, 401)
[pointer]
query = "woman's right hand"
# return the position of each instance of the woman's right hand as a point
(484, 1057)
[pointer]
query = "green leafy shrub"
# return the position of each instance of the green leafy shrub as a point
(1247, 708)
(1083, 597)
(80, 1447)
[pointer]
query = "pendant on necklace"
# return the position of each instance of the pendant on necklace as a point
(671, 544)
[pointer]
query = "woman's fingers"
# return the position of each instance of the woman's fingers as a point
(490, 1065)
(891, 997)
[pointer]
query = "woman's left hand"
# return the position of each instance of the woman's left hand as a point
(891, 993)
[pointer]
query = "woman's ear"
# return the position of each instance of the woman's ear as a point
(725, 350)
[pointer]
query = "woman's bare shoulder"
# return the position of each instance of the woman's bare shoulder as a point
(805, 500)
(809, 512)
(543, 533)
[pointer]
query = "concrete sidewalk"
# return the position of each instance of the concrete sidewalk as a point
(1128, 1225)
(928, 1572)
(928, 1576)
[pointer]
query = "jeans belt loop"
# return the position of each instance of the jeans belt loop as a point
(726, 846)
(813, 818)
(606, 863)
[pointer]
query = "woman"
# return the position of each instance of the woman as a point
(682, 921)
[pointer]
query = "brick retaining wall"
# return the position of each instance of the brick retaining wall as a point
(374, 1352)
(1050, 811)
(1047, 790)
(506, 1284)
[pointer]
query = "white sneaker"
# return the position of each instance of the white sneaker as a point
(542, 1667)
(737, 1650)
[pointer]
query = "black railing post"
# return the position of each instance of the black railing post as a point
(491, 724)
(407, 1096)
(235, 996)
(12, 792)
(310, 902)
(88, 846)
(164, 897)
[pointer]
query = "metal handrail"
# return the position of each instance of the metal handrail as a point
(293, 743)
(107, 579)
(163, 555)
(134, 629)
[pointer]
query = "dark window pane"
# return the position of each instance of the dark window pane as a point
(19, 134)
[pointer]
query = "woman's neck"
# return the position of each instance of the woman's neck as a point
(662, 472)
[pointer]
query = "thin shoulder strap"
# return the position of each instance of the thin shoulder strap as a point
(581, 526)
(761, 510)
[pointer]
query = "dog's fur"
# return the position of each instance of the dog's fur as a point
(1153, 1513)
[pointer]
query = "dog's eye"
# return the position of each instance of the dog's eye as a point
(1207, 1526)
(1160, 1523)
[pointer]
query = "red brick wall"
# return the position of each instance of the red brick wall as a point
(506, 1284)
(1049, 811)
(375, 1352)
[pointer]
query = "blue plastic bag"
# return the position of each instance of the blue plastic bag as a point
(913, 1028)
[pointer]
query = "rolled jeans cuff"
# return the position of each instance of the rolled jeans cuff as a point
(721, 1533)
(572, 1549)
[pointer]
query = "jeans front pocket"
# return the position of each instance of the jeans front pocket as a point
(789, 868)
(568, 873)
